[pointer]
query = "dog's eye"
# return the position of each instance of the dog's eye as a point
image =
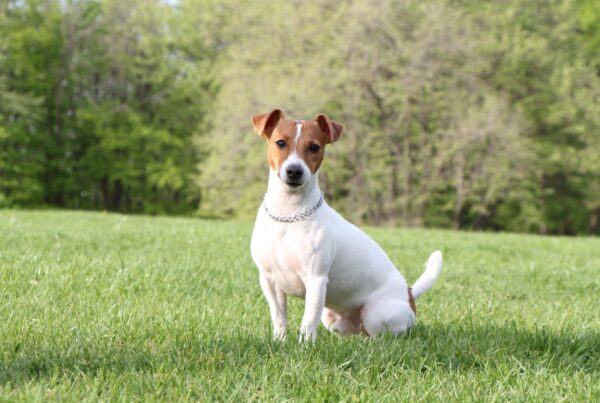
(314, 148)
(280, 143)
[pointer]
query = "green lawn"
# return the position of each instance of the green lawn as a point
(112, 307)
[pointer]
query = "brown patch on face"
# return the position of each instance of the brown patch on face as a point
(276, 155)
(411, 301)
(311, 136)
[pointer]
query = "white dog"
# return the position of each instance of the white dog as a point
(304, 248)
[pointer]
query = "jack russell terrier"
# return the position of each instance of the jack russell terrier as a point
(304, 248)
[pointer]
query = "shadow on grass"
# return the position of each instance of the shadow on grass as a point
(427, 348)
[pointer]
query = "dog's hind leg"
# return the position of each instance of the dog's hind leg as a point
(387, 315)
(329, 317)
(344, 325)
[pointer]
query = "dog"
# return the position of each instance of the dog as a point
(304, 248)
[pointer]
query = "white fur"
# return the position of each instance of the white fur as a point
(293, 158)
(432, 272)
(298, 134)
(330, 263)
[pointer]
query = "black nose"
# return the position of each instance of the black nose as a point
(294, 172)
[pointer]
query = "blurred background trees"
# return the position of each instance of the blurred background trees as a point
(463, 114)
(101, 101)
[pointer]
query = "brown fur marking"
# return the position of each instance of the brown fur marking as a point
(411, 301)
(286, 131)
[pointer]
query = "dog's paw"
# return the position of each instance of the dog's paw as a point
(307, 335)
(280, 334)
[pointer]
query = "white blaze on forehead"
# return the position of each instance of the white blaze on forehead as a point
(293, 158)
(298, 133)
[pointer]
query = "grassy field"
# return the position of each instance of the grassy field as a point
(112, 307)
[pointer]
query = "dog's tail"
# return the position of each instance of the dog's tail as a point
(432, 272)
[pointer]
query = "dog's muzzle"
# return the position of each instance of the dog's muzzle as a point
(294, 174)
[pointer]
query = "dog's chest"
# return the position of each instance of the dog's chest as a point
(280, 252)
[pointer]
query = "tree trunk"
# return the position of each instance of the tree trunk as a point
(117, 196)
(460, 188)
(406, 197)
(594, 221)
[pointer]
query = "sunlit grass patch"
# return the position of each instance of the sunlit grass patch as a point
(102, 306)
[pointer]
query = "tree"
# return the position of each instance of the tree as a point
(120, 90)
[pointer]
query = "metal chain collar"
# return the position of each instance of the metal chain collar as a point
(298, 216)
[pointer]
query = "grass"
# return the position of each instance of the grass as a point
(125, 308)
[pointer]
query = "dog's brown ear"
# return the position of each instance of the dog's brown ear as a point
(266, 123)
(331, 128)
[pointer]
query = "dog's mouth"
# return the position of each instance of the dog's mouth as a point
(295, 185)
(292, 184)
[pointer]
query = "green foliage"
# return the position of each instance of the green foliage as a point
(20, 159)
(111, 307)
(458, 113)
(119, 95)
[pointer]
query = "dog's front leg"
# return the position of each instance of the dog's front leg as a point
(314, 302)
(277, 301)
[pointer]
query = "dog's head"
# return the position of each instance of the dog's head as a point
(296, 147)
